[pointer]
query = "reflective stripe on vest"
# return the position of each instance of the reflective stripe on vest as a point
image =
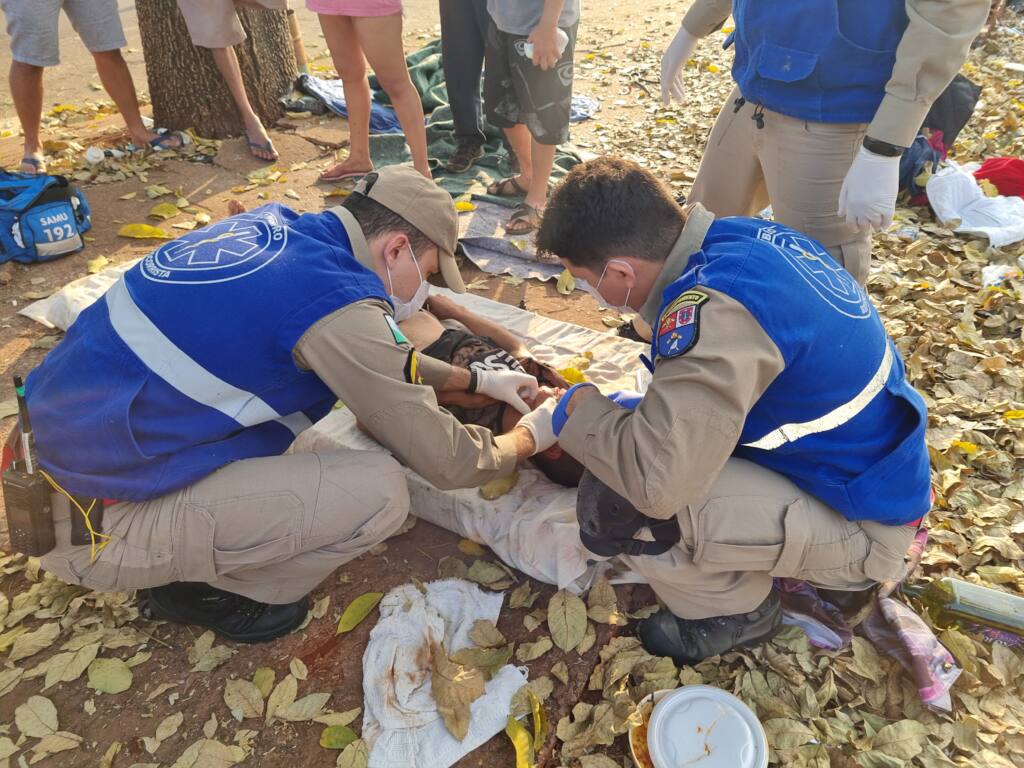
(789, 433)
(166, 360)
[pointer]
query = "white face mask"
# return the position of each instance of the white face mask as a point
(625, 309)
(406, 309)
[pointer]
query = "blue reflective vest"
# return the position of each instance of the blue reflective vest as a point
(840, 421)
(826, 62)
(186, 363)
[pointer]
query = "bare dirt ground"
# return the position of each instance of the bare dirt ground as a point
(618, 51)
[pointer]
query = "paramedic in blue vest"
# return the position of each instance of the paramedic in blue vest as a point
(779, 436)
(827, 96)
(175, 396)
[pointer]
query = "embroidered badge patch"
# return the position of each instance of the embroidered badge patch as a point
(679, 326)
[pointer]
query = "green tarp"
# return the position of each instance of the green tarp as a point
(428, 78)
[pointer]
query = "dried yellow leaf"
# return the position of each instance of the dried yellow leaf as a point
(143, 232)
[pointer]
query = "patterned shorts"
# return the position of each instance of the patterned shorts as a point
(516, 91)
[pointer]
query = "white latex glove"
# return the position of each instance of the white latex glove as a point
(868, 197)
(672, 63)
(508, 386)
(538, 423)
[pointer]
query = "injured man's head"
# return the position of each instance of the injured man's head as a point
(464, 344)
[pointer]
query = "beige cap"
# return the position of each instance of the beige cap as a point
(417, 199)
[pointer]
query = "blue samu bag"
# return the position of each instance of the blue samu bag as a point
(41, 217)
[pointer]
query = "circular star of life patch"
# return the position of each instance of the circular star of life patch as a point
(227, 250)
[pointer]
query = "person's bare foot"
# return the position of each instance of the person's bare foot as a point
(235, 207)
(259, 141)
(349, 168)
(146, 138)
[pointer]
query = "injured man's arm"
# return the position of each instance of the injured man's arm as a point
(470, 341)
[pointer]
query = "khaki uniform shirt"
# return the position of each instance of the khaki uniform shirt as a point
(367, 363)
(669, 450)
(933, 48)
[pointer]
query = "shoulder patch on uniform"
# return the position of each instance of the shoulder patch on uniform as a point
(396, 332)
(412, 368)
(679, 325)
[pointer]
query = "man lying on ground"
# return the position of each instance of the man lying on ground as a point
(453, 334)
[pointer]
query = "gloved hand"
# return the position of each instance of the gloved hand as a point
(539, 424)
(626, 398)
(868, 196)
(508, 386)
(672, 63)
(560, 415)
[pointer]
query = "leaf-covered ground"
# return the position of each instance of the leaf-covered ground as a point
(85, 682)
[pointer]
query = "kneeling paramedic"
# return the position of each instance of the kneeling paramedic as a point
(176, 394)
(779, 436)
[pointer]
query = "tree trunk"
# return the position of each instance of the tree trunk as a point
(185, 85)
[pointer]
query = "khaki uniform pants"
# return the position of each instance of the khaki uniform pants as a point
(755, 525)
(795, 165)
(269, 528)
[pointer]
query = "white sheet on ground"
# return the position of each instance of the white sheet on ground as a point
(61, 309)
(401, 724)
(955, 195)
(533, 527)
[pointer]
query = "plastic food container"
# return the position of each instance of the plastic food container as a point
(698, 724)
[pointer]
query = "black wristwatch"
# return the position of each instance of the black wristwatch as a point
(883, 148)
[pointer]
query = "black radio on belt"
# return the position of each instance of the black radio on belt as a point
(27, 494)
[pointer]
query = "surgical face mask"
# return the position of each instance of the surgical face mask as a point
(406, 309)
(596, 292)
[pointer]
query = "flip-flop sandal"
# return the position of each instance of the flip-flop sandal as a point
(38, 165)
(255, 146)
(164, 141)
(528, 216)
(343, 176)
(501, 188)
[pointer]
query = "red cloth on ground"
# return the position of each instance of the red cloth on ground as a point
(1006, 173)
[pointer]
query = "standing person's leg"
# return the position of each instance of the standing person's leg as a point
(381, 39)
(117, 81)
(462, 54)
(214, 24)
(730, 181)
(347, 54)
(98, 24)
(756, 525)
(26, 82)
(539, 101)
(804, 168)
(32, 27)
(502, 110)
(251, 540)
(259, 140)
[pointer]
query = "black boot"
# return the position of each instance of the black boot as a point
(690, 641)
(466, 153)
(849, 603)
(233, 616)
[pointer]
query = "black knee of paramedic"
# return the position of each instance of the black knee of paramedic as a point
(609, 522)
